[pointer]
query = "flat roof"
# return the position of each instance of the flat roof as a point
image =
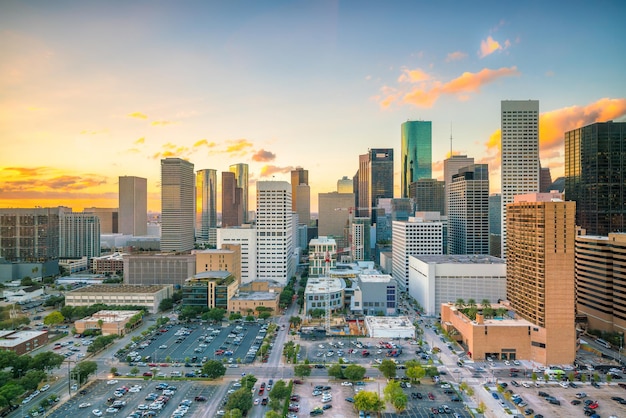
(13, 338)
(508, 321)
(389, 322)
(460, 259)
(375, 278)
(213, 274)
(119, 288)
(324, 285)
(111, 316)
(322, 240)
(256, 296)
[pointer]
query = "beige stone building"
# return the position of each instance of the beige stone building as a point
(228, 258)
(244, 302)
(110, 322)
(121, 295)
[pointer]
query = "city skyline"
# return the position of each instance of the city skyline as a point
(93, 92)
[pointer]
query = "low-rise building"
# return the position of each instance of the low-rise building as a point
(389, 327)
(74, 265)
(321, 249)
(322, 289)
(109, 322)
(210, 289)
(246, 303)
(120, 295)
(22, 342)
(376, 294)
(164, 269)
(111, 264)
(23, 295)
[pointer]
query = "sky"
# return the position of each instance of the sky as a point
(94, 90)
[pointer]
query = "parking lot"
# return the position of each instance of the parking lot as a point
(100, 396)
(339, 393)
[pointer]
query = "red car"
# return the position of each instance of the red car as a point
(297, 382)
(431, 396)
(148, 374)
(261, 390)
(593, 405)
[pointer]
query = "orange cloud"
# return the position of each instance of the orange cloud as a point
(238, 146)
(426, 92)
(140, 141)
(15, 180)
(456, 56)
(204, 142)
(162, 123)
(489, 46)
(263, 156)
(137, 115)
(172, 150)
(269, 170)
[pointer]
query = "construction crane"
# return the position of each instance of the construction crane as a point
(327, 297)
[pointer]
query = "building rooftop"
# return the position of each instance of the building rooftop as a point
(114, 256)
(389, 322)
(119, 288)
(322, 241)
(13, 338)
(111, 316)
(256, 296)
(375, 278)
(498, 321)
(460, 259)
(324, 285)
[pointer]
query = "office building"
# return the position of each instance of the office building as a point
(495, 226)
(108, 264)
(322, 291)
(429, 195)
(227, 258)
(29, 234)
(232, 201)
(133, 205)
(274, 231)
(451, 167)
(374, 294)
(79, 234)
(109, 219)
(177, 205)
(601, 281)
(299, 176)
(540, 272)
(545, 180)
(375, 180)
(210, 289)
(158, 269)
(243, 237)
(359, 239)
(594, 176)
(420, 235)
(519, 153)
(249, 303)
(149, 296)
(241, 178)
(22, 342)
(468, 211)
(345, 185)
(109, 322)
(206, 205)
(303, 203)
(334, 212)
(417, 153)
(322, 255)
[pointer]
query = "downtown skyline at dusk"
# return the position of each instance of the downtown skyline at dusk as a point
(91, 91)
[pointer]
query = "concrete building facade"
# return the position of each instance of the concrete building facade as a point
(334, 212)
(133, 206)
(228, 258)
(210, 289)
(321, 249)
(245, 238)
(244, 303)
(158, 269)
(177, 205)
(206, 206)
(451, 167)
(241, 172)
(79, 234)
(120, 295)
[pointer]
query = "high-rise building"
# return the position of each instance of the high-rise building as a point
(417, 153)
(345, 185)
(468, 217)
(540, 273)
(519, 153)
(359, 239)
(298, 176)
(177, 205)
(232, 201)
(428, 195)
(495, 226)
(79, 234)
(303, 203)
(109, 219)
(241, 177)
(595, 164)
(29, 234)
(334, 212)
(417, 236)
(545, 180)
(601, 281)
(451, 167)
(375, 179)
(274, 231)
(206, 205)
(133, 202)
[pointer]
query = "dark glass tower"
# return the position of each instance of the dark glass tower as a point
(375, 179)
(595, 167)
(417, 153)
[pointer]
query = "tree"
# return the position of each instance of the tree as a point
(396, 396)
(26, 281)
(46, 361)
(9, 392)
(501, 312)
(415, 373)
(54, 318)
(214, 369)
(134, 370)
(317, 313)
(368, 401)
(302, 370)
(248, 381)
(84, 369)
(240, 399)
(113, 370)
(335, 371)
(460, 303)
(485, 303)
(388, 368)
(280, 390)
(234, 316)
(294, 321)
(216, 314)
(233, 413)
(265, 315)
(354, 372)
(249, 318)
(273, 414)
(166, 304)
(471, 303)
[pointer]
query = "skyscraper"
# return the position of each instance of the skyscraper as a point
(375, 179)
(451, 167)
(595, 163)
(344, 185)
(428, 195)
(540, 273)
(298, 176)
(468, 217)
(232, 200)
(29, 234)
(79, 234)
(241, 177)
(301, 194)
(133, 202)
(495, 226)
(109, 219)
(206, 205)
(274, 229)
(177, 205)
(519, 153)
(417, 153)
(334, 213)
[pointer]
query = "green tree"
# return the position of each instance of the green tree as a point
(302, 370)
(26, 281)
(264, 315)
(166, 304)
(533, 377)
(9, 392)
(485, 303)
(214, 369)
(84, 369)
(234, 316)
(216, 314)
(46, 361)
(295, 321)
(460, 303)
(54, 318)
(335, 371)
(388, 368)
(248, 381)
(609, 378)
(415, 373)
(233, 413)
(134, 370)
(240, 399)
(368, 401)
(395, 396)
(280, 390)
(273, 414)
(113, 370)
(317, 313)
(354, 372)
(249, 318)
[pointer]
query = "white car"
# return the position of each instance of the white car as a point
(112, 410)
(44, 388)
(84, 405)
(97, 412)
(142, 407)
(526, 385)
(112, 382)
(507, 363)
(163, 346)
(257, 401)
(516, 362)
(346, 383)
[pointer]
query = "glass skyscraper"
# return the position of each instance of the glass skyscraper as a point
(206, 205)
(417, 153)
